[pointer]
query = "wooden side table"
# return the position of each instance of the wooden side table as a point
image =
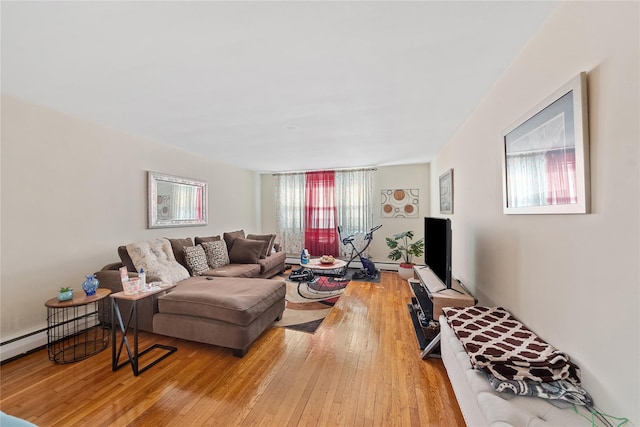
(118, 323)
(74, 331)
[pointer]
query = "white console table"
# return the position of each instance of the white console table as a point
(431, 296)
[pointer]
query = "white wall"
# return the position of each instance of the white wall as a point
(385, 177)
(73, 191)
(395, 177)
(573, 279)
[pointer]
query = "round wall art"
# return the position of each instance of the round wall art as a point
(400, 203)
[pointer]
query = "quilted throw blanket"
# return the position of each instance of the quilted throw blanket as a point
(502, 346)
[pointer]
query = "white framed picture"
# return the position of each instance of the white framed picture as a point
(446, 192)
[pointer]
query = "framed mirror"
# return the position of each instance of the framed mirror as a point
(175, 201)
(545, 162)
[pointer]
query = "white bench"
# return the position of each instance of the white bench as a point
(482, 406)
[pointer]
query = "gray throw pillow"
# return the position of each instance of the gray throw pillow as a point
(216, 252)
(201, 240)
(268, 239)
(246, 251)
(196, 259)
(231, 236)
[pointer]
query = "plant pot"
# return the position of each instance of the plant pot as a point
(65, 296)
(405, 271)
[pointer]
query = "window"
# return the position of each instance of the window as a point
(344, 200)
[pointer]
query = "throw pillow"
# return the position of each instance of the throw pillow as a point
(245, 251)
(157, 259)
(216, 252)
(178, 246)
(231, 236)
(196, 259)
(268, 239)
(201, 240)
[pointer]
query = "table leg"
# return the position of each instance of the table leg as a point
(133, 357)
(430, 347)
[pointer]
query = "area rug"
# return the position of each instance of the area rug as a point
(308, 305)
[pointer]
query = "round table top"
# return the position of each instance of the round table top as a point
(79, 298)
(315, 264)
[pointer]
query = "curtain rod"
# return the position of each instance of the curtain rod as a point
(325, 170)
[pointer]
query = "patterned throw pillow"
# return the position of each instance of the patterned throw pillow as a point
(196, 259)
(216, 252)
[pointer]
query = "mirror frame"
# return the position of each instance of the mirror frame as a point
(154, 221)
(577, 88)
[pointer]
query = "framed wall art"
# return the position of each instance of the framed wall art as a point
(446, 192)
(545, 161)
(175, 201)
(400, 203)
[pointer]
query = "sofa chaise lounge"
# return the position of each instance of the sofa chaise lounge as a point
(224, 295)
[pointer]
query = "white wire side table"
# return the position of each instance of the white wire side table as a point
(74, 331)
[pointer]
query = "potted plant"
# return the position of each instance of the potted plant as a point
(65, 294)
(402, 248)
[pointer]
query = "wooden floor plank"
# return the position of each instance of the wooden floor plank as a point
(362, 367)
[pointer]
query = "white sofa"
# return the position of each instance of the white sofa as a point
(482, 406)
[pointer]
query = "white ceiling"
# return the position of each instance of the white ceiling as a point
(269, 86)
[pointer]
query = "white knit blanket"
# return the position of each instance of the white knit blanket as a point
(157, 259)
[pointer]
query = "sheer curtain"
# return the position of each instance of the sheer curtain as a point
(290, 211)
(354, 199)
(320, 234)
(184, 198)
(346, 201)
(527, 175)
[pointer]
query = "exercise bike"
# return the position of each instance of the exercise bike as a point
(368, 270)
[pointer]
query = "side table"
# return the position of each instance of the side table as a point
(118, 323)
(74, 331)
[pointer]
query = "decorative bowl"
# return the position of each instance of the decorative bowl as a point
(327, 259)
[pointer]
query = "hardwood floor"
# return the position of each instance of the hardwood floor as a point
(362, 367)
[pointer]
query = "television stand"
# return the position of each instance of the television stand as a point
(429, 299)
(451, 289)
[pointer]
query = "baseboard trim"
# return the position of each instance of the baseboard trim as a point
(22, 345)
(381, 265)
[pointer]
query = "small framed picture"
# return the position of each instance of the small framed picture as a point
(446, 192)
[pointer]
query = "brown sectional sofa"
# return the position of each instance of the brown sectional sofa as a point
(230, 305)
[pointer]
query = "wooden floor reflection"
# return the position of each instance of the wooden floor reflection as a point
(362, 367)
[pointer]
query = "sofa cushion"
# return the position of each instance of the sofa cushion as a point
(233, 300)
(156, 257)
(178, 249)
(216, 252)
(269, 239)
(196, 259)
(201, 240)
(246, 251)
(126, 259)
(272, 261)
(231, 236)
(235, 270)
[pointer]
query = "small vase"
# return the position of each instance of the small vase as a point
(90, 285)
(65, 296)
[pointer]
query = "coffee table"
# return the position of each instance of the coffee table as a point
(315, 285)
(336, 269)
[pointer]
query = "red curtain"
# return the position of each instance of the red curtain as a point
(320, 235)
(199, 203)
(561, 177)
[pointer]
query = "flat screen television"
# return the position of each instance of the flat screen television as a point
(437, 248)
